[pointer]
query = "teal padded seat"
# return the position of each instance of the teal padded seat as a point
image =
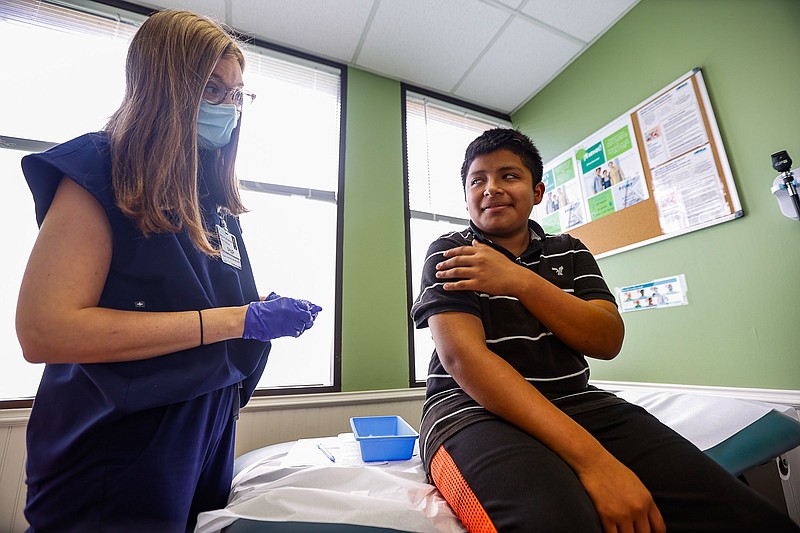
(765, 439)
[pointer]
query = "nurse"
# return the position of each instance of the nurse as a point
(139, 296)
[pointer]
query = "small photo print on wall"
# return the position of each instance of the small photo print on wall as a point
(660, 293)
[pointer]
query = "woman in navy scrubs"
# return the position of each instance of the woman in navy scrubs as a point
(140, 299)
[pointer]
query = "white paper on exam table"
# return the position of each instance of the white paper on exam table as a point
(344, 448)
(392, 494)
(701, 419)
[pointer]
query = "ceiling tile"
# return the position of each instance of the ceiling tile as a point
(513, 4)
(211, 8)
(494, 53)
(429, 43)
(322, 27)
(523, 59)
(585, 19)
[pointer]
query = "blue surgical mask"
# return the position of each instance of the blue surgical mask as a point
(215, 123)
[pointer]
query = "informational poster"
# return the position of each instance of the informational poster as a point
(657, 171)
(611, 170)
(686, 183)
(688, 191)
(600, 176)
(672, 124)
(563, 207)
(660, 293)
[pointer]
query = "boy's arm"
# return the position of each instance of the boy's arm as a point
(621, 500)
(591, 327)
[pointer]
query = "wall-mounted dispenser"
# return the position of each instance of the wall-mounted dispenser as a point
(785, 185)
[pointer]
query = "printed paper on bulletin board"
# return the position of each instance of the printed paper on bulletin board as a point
(658, 171)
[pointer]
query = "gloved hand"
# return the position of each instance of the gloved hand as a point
(278, 316)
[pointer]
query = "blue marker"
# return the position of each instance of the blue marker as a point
(328, 454)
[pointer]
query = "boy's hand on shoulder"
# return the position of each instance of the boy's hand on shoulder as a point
(479, 268)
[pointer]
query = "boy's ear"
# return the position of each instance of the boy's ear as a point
(538, 193)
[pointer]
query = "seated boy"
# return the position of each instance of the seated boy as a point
(512, 433)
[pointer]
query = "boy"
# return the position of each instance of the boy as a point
(512, 433)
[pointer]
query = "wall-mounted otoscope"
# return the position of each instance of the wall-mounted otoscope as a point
(785, 187)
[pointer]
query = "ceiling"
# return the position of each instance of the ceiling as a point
(493, 53)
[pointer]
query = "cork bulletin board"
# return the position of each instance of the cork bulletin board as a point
(657, 171)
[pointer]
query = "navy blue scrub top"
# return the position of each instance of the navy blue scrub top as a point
(161, 272)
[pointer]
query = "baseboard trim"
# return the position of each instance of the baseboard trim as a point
(19, 417)
(331, 399)
(14, 417)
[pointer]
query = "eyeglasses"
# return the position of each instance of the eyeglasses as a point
(215, 93)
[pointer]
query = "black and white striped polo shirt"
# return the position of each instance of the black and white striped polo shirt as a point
(560, 373)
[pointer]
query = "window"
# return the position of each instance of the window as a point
(288, 166)
(18, 378)
(437, 133)
(71, 79)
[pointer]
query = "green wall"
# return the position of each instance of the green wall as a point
(374, 332)
(742, 325)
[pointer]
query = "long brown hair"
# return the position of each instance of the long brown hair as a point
(153, 134)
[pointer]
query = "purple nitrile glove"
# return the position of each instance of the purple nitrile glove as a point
(278, 316)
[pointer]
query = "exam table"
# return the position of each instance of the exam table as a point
(288, 488)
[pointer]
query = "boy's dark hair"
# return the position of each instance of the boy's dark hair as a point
(510, 139)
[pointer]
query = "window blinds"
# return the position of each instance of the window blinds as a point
(73, 19)
(437, 134)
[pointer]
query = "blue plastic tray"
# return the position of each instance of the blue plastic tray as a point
(384, 438)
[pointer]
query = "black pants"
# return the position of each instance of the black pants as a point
(524, 486)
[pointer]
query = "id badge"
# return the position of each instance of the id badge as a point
(229, 248)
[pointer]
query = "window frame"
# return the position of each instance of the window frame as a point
(338, 198)
(413, 381)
